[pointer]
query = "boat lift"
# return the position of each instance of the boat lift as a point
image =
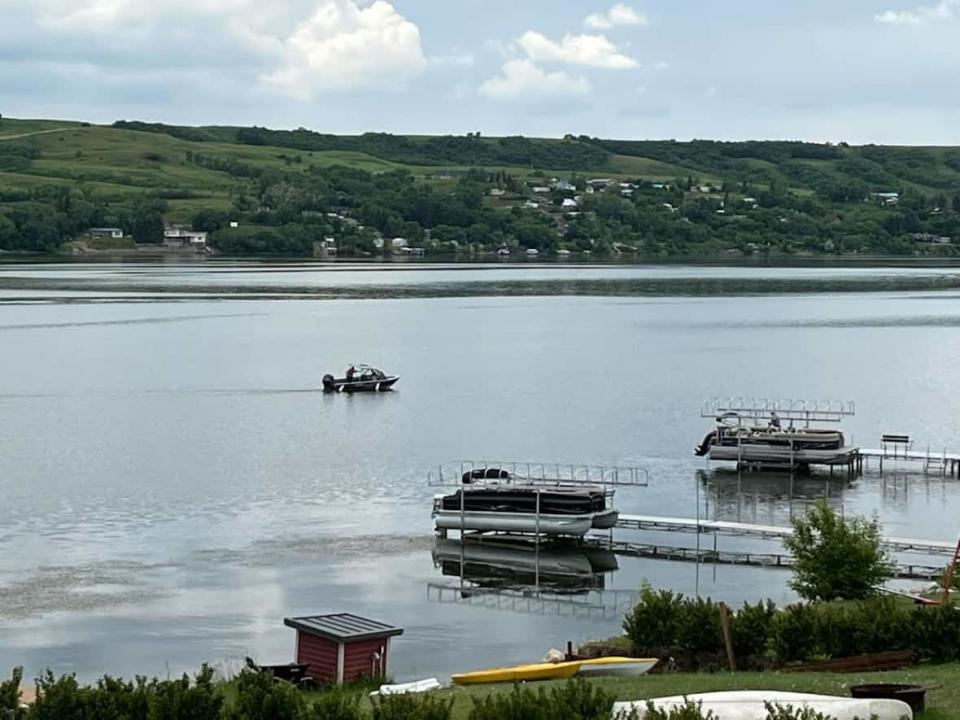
(540, 474)
(796, 412)
(805, 411)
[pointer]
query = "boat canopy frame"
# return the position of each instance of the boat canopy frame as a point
(805, 411)
(540, 474)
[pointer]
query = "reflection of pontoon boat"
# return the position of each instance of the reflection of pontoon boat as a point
(493, 500)
(360, 378)
(516, 563)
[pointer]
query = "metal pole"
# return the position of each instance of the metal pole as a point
(697, 571)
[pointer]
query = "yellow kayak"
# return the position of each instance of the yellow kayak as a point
(519, 673)
(558, 670)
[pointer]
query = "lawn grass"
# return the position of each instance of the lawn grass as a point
(943, 681)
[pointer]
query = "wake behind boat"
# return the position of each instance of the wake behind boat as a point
(360, 378)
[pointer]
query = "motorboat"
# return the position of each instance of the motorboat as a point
(732, 432)
(493, 500)
(360, 378)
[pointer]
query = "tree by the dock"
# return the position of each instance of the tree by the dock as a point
(837, 557)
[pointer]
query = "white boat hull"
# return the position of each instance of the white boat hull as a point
(606, 519)
(417, 686)
(625, 669)
(519, 557)
(576, 525)
(749, 705)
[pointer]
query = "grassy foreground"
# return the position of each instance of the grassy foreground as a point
(943, 681)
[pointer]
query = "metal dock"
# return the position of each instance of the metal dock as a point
(658, 523)
(896, 449)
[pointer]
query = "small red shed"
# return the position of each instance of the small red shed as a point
(342, 647)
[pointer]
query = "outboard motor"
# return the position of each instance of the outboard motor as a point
(328, 383)
(708, 440)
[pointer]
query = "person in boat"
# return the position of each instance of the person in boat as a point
(774, 421)
(350, 371)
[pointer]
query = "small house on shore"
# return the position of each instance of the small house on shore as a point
(114, 233)
(180, 238)
(342, 647)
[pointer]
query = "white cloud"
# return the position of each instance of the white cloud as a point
(589, 50)
(343, 45)
(100, 16)
(297, 47)
(455, 57)
(619, 14)
(944, 10)
(521, 77)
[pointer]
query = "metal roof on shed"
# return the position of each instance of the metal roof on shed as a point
(342, 626)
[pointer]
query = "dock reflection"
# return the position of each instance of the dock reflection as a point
(765, 498)
(518, 575)
(497, 562)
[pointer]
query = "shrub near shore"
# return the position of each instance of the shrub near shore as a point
(664, 623)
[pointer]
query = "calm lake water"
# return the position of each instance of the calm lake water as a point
(173, 483)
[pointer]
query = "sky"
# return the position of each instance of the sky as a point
(860, 71)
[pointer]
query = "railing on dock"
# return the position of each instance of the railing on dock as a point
(805, 411)
(538, 473)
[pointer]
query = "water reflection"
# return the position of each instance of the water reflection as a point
(766, 498)
(512, 563)
(519, 575)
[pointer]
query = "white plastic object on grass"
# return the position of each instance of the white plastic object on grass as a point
(750, 705)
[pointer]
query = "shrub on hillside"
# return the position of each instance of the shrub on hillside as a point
(835, 557)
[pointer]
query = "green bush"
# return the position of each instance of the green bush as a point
(575, 700)
(59, 698)
(261, 697)
(183, 700)
(654, 620)
(335, 704)
(690, 710)
(412, 707)
(115, 699)
(936, 632)
(836, 558)
(750, 628)
(793, 633)
(776, 711)
(699, 627)
(10, 696)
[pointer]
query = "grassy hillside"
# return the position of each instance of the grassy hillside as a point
(57, 178)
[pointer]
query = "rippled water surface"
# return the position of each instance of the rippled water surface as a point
(173, 484)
